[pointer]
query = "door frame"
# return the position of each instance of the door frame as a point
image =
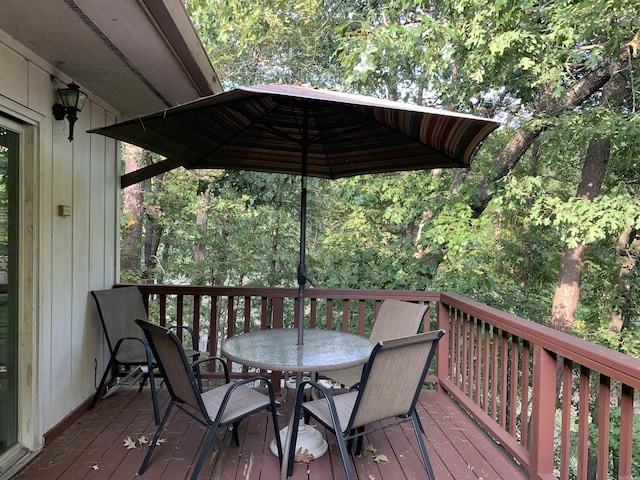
(27, 124)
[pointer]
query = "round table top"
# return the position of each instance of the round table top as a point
(277, 349)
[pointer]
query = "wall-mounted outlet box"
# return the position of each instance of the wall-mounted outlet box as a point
(64, 210)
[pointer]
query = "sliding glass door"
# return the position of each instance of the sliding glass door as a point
(9, 143)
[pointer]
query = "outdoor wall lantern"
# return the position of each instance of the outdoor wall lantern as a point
(72, 99)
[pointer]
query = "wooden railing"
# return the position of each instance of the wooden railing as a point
(561, 406)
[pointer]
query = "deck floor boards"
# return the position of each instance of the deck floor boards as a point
(93, 447)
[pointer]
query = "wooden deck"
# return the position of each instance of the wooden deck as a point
(93, 447)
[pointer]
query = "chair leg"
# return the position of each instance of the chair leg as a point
(359, 441)
(342, 444)
(152, 383)
(103, 381)
(419, 431)
(156, 437)
(205, 448)
(344, 453)
(286, 466)
(292, 432)
(274, 418)
(354, 434)
(234, 433)
(154, 397)
(142, 382)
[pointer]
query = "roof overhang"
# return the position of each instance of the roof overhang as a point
(139, 56)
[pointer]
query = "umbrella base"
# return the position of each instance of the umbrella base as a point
(309, 441)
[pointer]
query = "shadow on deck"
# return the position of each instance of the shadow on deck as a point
(94, 447)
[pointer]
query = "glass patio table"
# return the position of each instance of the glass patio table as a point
(277, 349)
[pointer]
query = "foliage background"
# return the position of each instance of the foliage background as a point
(562, 75)
(424, 230)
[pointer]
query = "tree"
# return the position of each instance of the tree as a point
(132, 212)
(559, 55)
(496, 231)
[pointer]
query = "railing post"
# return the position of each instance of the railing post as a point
(543, 414)
(442, 355)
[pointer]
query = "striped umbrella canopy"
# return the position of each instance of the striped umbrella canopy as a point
(301, 130)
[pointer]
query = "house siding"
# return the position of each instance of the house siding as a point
(61, 258)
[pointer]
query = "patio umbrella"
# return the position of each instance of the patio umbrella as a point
(300, 130)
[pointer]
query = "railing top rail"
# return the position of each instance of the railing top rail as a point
(332, 293)
(612, 363)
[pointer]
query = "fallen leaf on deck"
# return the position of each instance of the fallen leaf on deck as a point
(303, 457)
(372, 476)
(130, 444)
(160, 440)
(142, 440)
(95, 467)
(370, 448)
(380, 458)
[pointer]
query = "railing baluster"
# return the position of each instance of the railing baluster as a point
(504, 378)
(514, 374)
(626, 433)
(163, 311)
(464, 352)
(524, 395)
(313, 315)
(362, 317)
(604, 409)
(345, 315)
(478, 361)
(486, 363)
(180, 314)
(264, 313)
(583, 422)
(213, 329)
(196, 319)
(231, 320)
(247, 314)
(495, 356)
(565, 434)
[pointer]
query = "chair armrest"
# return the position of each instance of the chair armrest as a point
(239, 383)
(194, 344)
(225, 368)
(119, 343)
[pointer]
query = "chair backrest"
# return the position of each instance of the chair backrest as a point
(119, 308)
(397, 319)
(173, 364)
(393, 377)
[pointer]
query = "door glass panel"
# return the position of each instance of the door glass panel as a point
(8, 317)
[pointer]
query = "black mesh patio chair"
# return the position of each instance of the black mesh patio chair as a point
(224, 405)
(119, 308)
(387, 393)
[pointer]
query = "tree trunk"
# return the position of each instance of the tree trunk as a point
(202, 220)
(132, 211)
(153, 229)
(565, 300)
(628, 250)
(523, 275)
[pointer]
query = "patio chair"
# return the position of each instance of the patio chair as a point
(224, 405)
(388, 392)
(395, 319)
(118, 309)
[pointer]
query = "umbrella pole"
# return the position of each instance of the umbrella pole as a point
(302, 268)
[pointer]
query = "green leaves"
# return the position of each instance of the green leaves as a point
(581, 221)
